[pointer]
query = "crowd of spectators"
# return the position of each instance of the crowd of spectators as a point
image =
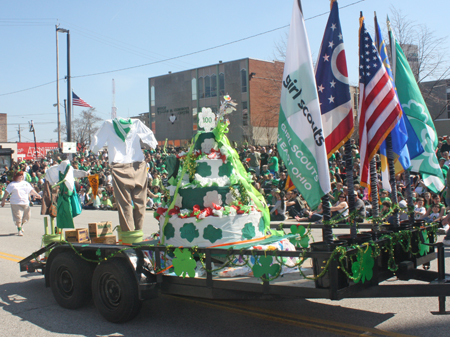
(269, 178)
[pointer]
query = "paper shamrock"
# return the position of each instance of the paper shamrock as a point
(263, 265)
(424, 249)
(248, 232)
(362, 268)
(189, 231)
(169, 231)
(301, 239)
(212, 233)
(183, 263)
(207, 119)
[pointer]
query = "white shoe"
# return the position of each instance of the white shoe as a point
(446, 227)
(446, 242)
(21, 233)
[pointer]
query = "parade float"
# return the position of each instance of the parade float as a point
(216, 225)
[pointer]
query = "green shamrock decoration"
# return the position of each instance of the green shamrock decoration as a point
(169, 231)
(261, 225)
(98, 252)
(301, 239)
(424, 249)
(189, 232)
(203, 169)
(265, 266)
(225, 169)
(362, 268)
(183, 263)
(248, 232)
(212, 233)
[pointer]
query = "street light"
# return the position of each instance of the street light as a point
(69, 95)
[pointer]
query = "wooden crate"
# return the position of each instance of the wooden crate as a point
(99, 229)
(80, 235)
(107, 239)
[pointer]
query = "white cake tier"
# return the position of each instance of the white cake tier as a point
(212, 231)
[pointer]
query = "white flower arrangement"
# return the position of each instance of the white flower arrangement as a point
(207, 182)
(218, 212)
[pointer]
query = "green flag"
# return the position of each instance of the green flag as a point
(417, 112)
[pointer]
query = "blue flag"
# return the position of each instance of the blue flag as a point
(405, 143)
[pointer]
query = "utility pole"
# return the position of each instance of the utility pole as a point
(69, 90)
(57, 88)
(18, 131)
(34, 134)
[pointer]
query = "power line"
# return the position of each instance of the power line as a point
(183, 55)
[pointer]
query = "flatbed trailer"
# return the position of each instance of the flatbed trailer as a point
(119, 278)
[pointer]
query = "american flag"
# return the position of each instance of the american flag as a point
(332, 85)
(379, 108)
(78, 101)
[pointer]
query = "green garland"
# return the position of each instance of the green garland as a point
(386, 243)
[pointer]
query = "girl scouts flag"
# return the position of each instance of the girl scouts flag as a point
(332, 85)
(301, 141)
(416, 110)
(379, 108)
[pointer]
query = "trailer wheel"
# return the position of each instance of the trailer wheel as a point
(115, 291)
(70, 279)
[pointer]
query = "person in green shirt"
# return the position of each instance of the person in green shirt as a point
(106, 203)
(34, 179)
(444, 167)
(156, 196)
(273, 164)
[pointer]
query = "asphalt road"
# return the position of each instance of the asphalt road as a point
(28, 308)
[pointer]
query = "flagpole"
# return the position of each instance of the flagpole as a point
(350, 186)
(390, 158)
(409, 198)
(374, 188)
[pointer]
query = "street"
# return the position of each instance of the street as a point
(28, 307)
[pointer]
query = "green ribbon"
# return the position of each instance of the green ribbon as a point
(120, 127)
(183, 171)
(219, 132)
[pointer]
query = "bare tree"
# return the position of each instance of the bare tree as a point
(84, 127)
(425, 51)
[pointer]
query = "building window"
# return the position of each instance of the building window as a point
(207, 86)
(221, 84)
(244, 113)
(194, 89)
(200, 88)
(244, 80)
(152, 94)
(213, 85)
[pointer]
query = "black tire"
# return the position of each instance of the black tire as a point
(70, 280)
(115, 291)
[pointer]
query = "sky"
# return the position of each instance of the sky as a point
(150, 38)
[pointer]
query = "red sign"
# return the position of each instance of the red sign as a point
(26, 151)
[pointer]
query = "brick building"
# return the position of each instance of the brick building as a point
(175, 99)
(3, 128)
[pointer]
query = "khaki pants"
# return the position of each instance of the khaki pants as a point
(130, 185)
(21, 214)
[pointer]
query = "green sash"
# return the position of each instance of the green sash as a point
(64, 217)
(122, 127)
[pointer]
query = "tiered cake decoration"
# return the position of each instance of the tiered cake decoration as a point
(212, 200)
